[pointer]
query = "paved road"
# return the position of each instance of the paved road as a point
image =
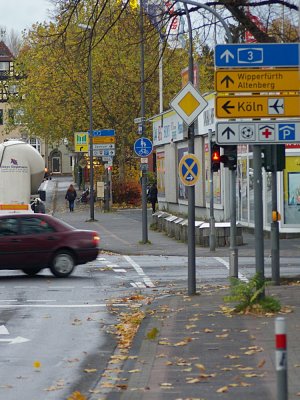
(61, 323)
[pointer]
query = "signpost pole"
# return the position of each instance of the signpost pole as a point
(144, 174)
(212, 228)
(233, 272)
(258, 213)
(275, 227)
(191, 189)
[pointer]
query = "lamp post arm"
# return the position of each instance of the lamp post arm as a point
(214, 12)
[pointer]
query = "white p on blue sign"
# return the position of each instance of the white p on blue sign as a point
(143, 147)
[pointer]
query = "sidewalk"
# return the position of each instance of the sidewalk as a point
(198, 353)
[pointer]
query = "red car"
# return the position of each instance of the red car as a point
(31, 242)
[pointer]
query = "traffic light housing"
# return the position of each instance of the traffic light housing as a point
(229, 157)
(274, 157)
(215, 157)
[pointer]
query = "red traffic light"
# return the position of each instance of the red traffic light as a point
(215, 157)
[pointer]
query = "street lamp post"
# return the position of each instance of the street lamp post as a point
(90, 91)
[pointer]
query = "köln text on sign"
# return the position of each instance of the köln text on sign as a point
(257, 106)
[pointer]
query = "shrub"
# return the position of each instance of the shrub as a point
(128, 193)
(249, 296)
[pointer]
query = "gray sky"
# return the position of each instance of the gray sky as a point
(21, 14)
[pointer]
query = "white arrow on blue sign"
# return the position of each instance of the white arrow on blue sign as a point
(257, 55)
(104, 132)
(143, 147)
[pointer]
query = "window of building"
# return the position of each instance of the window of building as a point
(11, 115)
(4, 65)
(36, 143)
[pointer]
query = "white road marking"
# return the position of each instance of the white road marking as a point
(42, 301)
(119, 270)
(241, 276)
(139, 271)
(16, 340)
(8, 300)
(59, 305)
(60, 287)
(3, 330)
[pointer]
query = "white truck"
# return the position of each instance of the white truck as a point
(22, 170)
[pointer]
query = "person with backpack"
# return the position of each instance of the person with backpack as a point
(71, 196)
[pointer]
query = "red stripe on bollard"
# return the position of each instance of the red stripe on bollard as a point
(281, 342)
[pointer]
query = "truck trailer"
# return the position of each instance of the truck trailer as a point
(22, 171)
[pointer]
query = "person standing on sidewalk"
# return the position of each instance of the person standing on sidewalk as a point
(71, 196)
(152, 196)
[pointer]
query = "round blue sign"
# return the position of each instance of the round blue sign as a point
(143, 147)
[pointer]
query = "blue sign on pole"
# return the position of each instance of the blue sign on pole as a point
(257, 55)
(104, 132)
(143, 147)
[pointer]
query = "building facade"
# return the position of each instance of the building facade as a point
(58, 159)
(171, 144)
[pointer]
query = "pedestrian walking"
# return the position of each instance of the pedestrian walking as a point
(71, 196)
(152, 196)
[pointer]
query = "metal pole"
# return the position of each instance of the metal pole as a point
(275, 225)
(212, 232)
(144, 177)
(281, 358)
(191, 189)
(92, 215)
(233, 264)
(258, 212)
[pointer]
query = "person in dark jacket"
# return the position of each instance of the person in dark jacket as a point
(71, 196)
(152, 196)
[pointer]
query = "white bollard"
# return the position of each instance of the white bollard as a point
(281, 358)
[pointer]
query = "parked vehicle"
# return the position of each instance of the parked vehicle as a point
(21, 174)
(32, 242)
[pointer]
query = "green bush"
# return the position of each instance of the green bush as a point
(250, 296)
(128, 193)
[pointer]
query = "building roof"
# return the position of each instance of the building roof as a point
(5, 53)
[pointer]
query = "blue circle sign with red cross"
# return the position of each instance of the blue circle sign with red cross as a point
(189, 169)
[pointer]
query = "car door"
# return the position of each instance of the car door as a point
(39, 241)
(10, 241)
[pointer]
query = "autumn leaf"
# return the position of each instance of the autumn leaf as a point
(207, 330)
(77, 396)
(223, 389)
(166, 385)
(200, 366)
(193, 380)
(152, 333)
(231, 356)
(133, 371)
(37, 364)
(90, 370)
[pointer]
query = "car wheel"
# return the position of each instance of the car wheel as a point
(62, 264)
(32, 271)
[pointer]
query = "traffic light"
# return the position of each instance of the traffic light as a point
(215, 157)
(229, 157)
(274, 157)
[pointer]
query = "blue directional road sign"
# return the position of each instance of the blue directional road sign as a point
(257, 55)
(104, 132)
(143, 147)
(189, 169)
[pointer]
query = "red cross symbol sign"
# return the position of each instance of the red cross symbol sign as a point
(266, 132)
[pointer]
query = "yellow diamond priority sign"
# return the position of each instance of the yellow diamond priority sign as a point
(188, 103)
